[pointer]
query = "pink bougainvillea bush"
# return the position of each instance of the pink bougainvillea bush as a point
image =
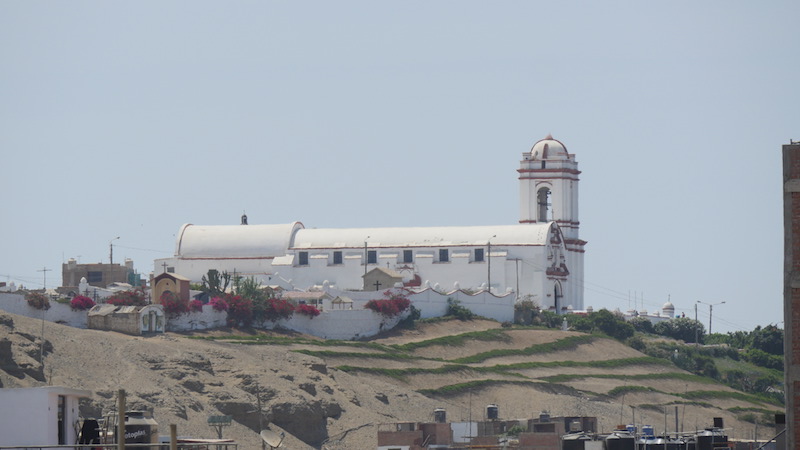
(173, 305)
(240, 311)
(307, 310)
(196, 306)
(277, 309)
(134, 297)
(218, 304)
(394, 304)
(81, 303)
(38, 300)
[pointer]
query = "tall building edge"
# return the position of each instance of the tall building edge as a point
(791, 291)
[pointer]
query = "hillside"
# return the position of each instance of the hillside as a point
(336, 393)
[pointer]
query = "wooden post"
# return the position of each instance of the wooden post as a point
(121, 420)
(173, 436)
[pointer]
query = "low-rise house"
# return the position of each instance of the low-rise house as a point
(40, 416)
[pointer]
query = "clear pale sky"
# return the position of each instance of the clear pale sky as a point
(131, 118)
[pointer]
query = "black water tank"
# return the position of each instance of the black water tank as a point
(575, 441)
(711, 439)
(620, 441)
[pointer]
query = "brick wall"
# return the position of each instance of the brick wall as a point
(791, 296)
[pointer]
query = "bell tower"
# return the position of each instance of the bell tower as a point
(548, 188)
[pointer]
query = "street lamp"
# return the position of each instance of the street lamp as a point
(710, 310)
(111, 250)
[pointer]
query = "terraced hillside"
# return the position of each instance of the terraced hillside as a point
(525, 371)
(334, 394)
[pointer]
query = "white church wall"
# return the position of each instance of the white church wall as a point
(461, 270)
(59, 312)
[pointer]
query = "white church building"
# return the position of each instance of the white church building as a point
(540, 258)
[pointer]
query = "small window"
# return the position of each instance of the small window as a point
(303, 259)
(372, 257)
(478, 255)
(94, 276)
(543, 165)
(170, 269)
(444, 255)
(408, 256)
(337, 257)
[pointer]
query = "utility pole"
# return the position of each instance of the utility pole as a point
(44, 271)
(710, 311)
(111, 250)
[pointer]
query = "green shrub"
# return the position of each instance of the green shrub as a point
(763, 359)
(636, 342)
(455, 309)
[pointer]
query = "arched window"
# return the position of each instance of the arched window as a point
(544, 210)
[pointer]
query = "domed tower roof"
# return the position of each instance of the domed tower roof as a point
(668, 309)
(549, 149)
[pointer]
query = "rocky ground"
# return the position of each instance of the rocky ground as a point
(184, 381)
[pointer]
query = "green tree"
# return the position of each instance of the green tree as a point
(763, 359)
(642, 325)
(768, 339)
(682, 328)
(251, 289)
(603, 321)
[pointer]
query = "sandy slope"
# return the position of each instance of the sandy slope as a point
(186, 380)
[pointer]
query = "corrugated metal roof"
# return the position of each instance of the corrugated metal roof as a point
(102, 310)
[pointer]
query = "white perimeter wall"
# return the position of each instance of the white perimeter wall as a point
(332, 323)
(58, 312)
(198, 320)
(434, 304)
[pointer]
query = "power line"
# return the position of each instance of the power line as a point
(143, 249)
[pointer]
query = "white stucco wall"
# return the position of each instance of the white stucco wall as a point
(30, 415)
(341, 324)
(434, 304)
(198, 320)
(58, 312)
(332, 323)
